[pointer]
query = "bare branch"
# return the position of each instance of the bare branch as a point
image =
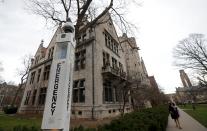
(23, 72)
(82, 12)
(191, 53)
(69, 5)
(99, 16)
(65, 8)
(78, 7)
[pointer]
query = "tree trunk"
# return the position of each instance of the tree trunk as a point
(124, 102)
(16, 94)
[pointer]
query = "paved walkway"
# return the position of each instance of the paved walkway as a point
(187, 123)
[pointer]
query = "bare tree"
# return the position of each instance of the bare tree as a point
(87, 12)
(202, 80)
(23, 73)
(147, 93)
(138, 95)
(134, 90)
(125, 88)
(191, 53)
(124, 92)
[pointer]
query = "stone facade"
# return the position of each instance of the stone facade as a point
(153, 82)
(136, 69)
(100, 64)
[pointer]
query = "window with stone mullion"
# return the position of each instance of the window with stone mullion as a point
(75, 91)
(34, 96)
(106, 40)
(104, 59)
(82, 94)
(79, 91)
(116, 94)
(27, 98)
(121, 67)
(114, 63)
(38, 75)
(80, 60)
(46, 72)
(108, 92)
(82, 91)
(110, 42)
(32, 77)
(42, 96)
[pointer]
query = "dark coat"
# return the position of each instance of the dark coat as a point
(174, 112)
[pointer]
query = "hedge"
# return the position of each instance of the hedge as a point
(153, 119)
(22, 128)
(25, 128)
(10, 109)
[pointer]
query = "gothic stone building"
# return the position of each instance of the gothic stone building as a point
(136, 70)
(99, 65)
(189, 92)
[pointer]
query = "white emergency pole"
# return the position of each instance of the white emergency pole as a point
(59, 93)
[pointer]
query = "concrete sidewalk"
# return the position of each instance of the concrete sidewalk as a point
(187, 123)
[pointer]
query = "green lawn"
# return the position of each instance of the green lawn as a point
(8, 122)
(200, 114)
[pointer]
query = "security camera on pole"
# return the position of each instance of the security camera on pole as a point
(58, 101)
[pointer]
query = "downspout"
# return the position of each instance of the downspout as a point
(93, 90)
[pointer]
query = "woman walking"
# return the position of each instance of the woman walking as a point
(174, 114)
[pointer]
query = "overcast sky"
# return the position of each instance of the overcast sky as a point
(162, 23)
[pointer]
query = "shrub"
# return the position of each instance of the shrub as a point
(152, 119)
(10, 109)
(81, 128)
(25, 128)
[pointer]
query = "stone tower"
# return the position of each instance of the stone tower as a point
(185, 79)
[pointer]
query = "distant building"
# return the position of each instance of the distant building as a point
(189, 92)
(171, 97)
(7, 94)
(100, 66)
(185, 79)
